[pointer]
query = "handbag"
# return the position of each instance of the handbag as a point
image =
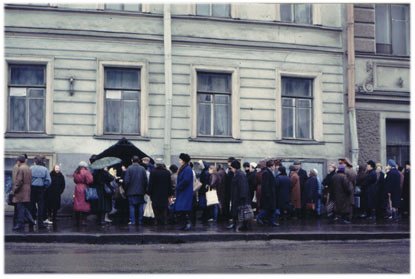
(311, 205)
(91, 194)
(109, 189)
(211, 197)
(10, 198)
(196, 185)
(245, 213)
(330, 208)
(148, 208)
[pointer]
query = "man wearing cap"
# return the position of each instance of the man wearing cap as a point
(40, 181)
(351, 176)
(371, 189)
(342, 191)
(21, 194)
(393, 189)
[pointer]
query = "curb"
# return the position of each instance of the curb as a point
(191, 238)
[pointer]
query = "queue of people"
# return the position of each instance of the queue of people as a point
(266, 192)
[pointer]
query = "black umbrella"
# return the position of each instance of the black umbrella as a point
(124, 150)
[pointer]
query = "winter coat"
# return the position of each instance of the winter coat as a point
(283, 192)
(381, 193)
(204, 179)
(268, 190)
(303, 180)
(392, 186)
(160, 188)
(351, 176)
(252, 183)
(405, 190)
(342, 191)
(221, 187)
(239, 192)
(184, 189)
(311, 190)
(327, 183)
(104, 202)
(295, 190)
(22, 184)
(135, 180)
(40, 176)
(82, 179)
(371, 189)
(54, 192)
(258, 181)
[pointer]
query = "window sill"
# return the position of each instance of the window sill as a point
(215, 140)
(118, 137)
(299, 142)
(27, 136)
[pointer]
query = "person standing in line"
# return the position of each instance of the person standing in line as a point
(173, 170)
(351, 176)
(360, 182)
(295, 191)
(204, 179)
(239, 195)
(228, 182)
(135, 181)
(258, 181)
(159, 190)
(303, 179)
(40, 181)
(268, 196)
(250, 174)
(221, 190)
(342, 190)
(311, 191)
(214, 183)
(381, 197)
(327, 182)
(53, 194)
(283, 192)
(184, 191)
(406, 189)
(82, 178)
(371, 187)
(21, 195)
(393, 189)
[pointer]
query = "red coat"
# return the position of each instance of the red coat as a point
(82, 179)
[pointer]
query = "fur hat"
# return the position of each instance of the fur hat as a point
(185, 157)
(372, 164)
(235, 164)
(83, 164)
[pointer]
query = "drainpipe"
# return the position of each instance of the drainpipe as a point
(168, 86)
(351, 84)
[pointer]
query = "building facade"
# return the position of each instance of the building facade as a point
(212, 80)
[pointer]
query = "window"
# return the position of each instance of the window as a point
(27, 98)
(392, 29)
(122, 89)
(298, 13)
(397, 140)
(297, 108)
(123, 7)
(216, 10)
(214, 104)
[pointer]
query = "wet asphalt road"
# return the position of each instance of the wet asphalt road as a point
(275, 256)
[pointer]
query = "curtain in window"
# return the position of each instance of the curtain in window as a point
(302, 13)
(399, 17)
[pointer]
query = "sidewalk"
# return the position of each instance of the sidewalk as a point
(65, 232)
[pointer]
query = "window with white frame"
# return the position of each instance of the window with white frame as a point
(26, 98)
(297, 13)
(216, 10)
(130, 7)
(122, 90)
(214, 94)
(392, 29)
(297, 107)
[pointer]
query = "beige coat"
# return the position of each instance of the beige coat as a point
(22, 184)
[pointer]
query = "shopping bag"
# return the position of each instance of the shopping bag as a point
(212, 197)
(148, 208)
(245, 213)
(91, 194)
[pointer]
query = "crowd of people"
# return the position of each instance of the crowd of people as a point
(266, 192)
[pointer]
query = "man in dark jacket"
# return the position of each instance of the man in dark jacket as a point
(303, 179)
(160, 189)
(392, 187)
(228, 182)
(371, 188)
(135, 180)
(40, 181)
(268, 195)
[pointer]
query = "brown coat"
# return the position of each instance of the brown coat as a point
(342, 190)
(351, 177)
(295, 190)
(22, 184)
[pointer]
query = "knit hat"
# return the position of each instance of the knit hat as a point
(83, 164)
(21, 158)
(392, 163)
(235, 164)
(314, 172)
(372, 164)
(185, 157)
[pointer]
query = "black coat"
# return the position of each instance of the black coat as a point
(393, 186)
(371, 189)
(104, 202)
(303, 179)
(160, 188)
(54, 192)
(239, 192)
(311, 190)
(381, 193)
(268, 190)
(283, 192)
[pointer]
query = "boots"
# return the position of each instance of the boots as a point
(188, 224)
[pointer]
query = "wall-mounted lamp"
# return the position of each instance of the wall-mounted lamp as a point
(71, 86)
